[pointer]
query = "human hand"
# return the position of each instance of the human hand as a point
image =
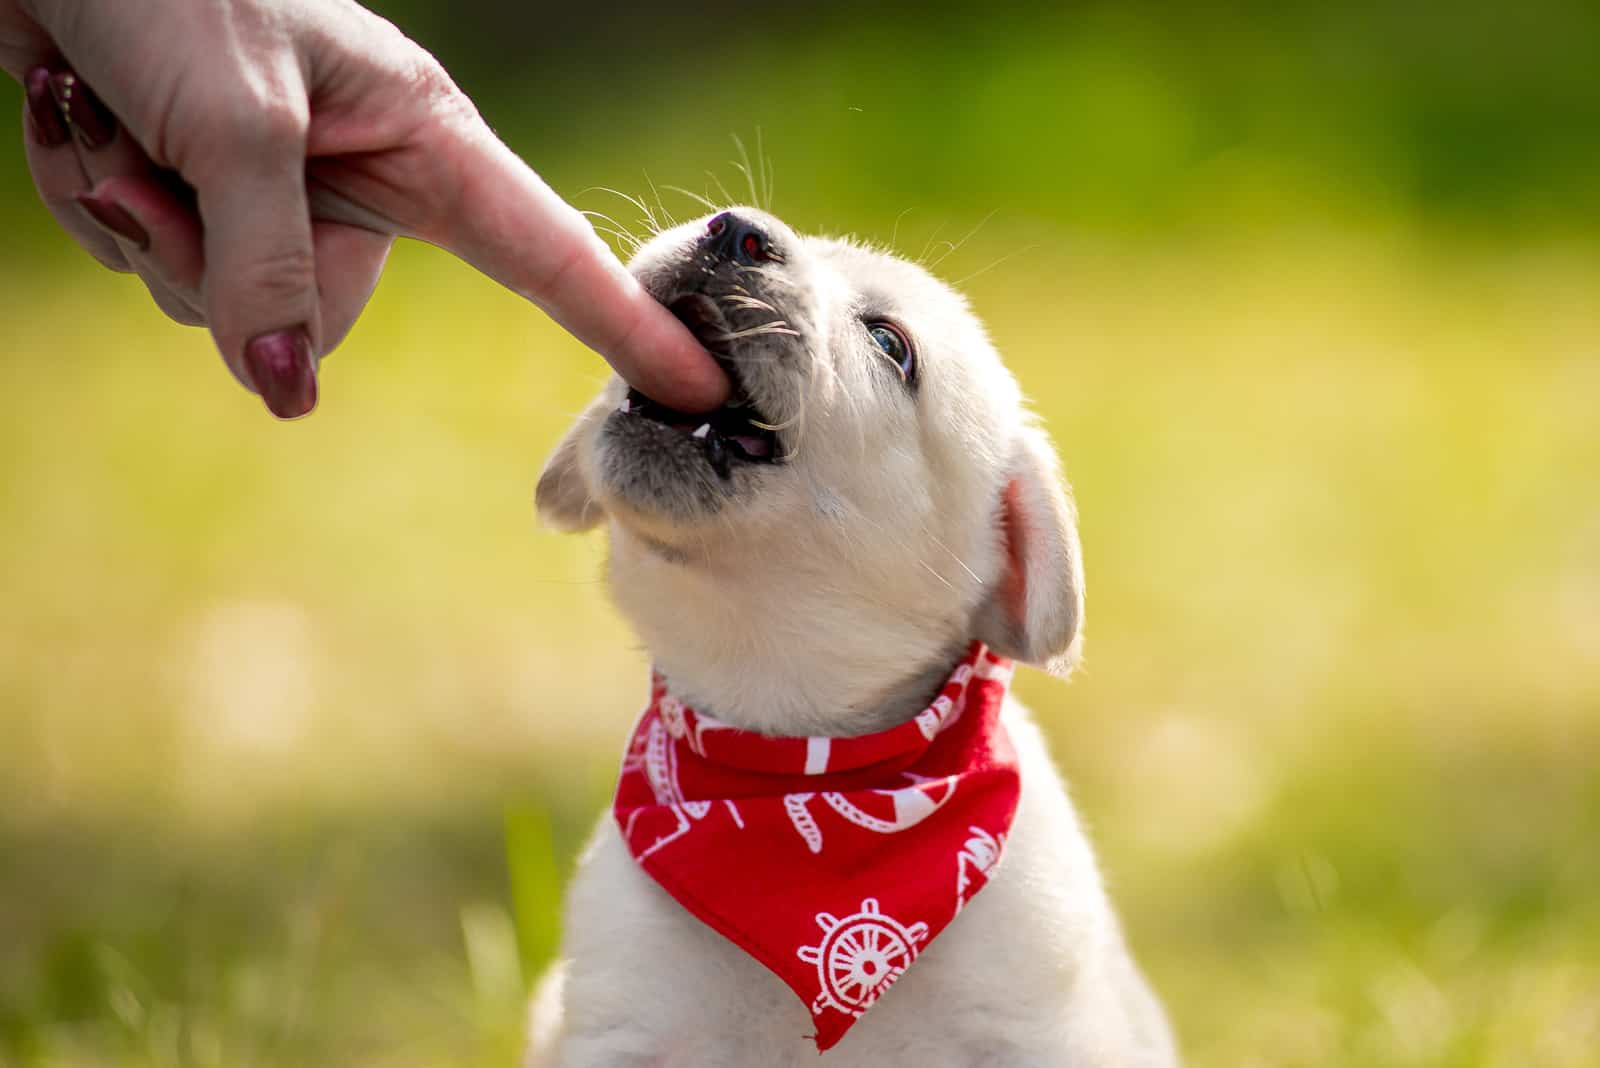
(222, 138)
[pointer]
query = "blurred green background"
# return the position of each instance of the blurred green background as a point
(1310, 299)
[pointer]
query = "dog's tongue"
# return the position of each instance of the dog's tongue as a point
(760, 448)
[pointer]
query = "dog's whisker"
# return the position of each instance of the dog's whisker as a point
(970, 234)
(632, 243)
(696, 197)
(959, 562)
(775, 427)
(727, 198)
(894, 235)
(609, 221)
(756, 331)
(750, 303)
(984, 270)
(649, 219)
(747, 170)
(767, 172)
(659, 203)
(930, 569)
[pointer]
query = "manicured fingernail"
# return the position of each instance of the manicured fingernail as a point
(49, 128)
(86, 115)
(115, 218)
(279, 365)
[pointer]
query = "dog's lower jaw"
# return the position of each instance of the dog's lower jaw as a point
(656, 481)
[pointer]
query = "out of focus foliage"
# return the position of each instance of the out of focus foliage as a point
(1137, 116)
(301, 725)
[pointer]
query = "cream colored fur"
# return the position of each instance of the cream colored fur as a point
(830, 594)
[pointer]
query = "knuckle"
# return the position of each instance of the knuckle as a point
(435, 82)
(268, 126)
(280, 276)
(214, 136)
(423, 76)
(200, 127)
(431, 84)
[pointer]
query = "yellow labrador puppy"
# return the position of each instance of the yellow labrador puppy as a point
(834, 829)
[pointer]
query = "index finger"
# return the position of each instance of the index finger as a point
(509, 224)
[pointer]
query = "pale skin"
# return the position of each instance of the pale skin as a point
(253, 160)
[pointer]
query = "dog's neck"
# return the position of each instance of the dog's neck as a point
(788, 652)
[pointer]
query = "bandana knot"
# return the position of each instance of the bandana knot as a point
(832, 861)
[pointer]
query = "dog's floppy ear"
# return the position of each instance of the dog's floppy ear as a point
(1035, 613)
(564, 498)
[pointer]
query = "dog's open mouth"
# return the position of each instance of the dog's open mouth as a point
(736, 433)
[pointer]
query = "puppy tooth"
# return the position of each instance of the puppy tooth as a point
(627, 406)
(701, 431)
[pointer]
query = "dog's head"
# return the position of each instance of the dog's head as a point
(874, 491)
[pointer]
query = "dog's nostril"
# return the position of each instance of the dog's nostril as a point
(730, 236)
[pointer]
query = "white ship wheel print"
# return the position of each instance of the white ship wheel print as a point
(859, 956)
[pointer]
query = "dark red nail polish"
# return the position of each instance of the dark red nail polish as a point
(49, 128)
(279, 366)
(86, 115)
(115, 218)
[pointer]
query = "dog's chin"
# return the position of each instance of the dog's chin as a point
(661, 479)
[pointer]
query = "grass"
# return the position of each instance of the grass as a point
(301, 726)
(276, 698)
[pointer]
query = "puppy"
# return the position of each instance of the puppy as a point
(834, 830)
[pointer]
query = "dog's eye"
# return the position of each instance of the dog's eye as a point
(894, 345)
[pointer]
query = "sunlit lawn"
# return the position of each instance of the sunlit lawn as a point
(270, 696)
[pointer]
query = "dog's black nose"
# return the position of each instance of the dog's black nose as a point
(731, 236)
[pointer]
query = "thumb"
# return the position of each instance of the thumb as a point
(260, 290)
(509, 224)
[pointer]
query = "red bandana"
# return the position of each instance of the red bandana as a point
(779, 843)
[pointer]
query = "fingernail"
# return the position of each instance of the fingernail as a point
(49, 128)
(86, 115)
(115, 218)
(279, 365)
